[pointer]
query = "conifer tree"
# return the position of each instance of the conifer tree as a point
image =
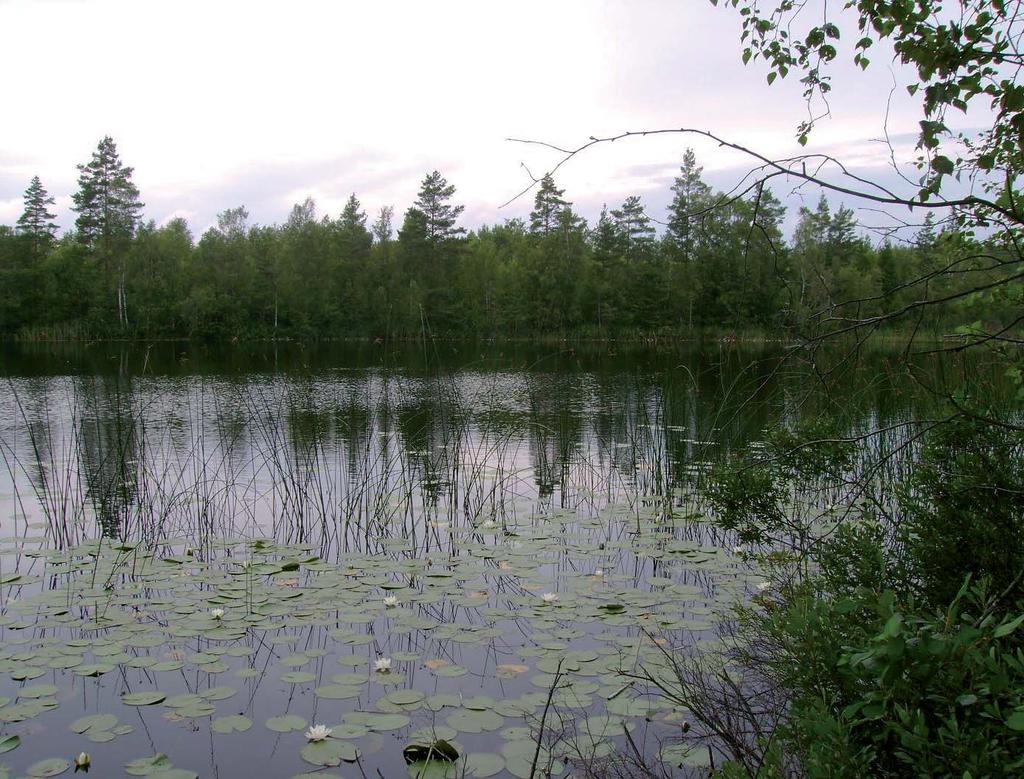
(382, 228)
(107, 201)
(634, 227)
(109, 210)
(353, 236)
(37, 222)
(690, 196)
(439, 215)
(547, 206)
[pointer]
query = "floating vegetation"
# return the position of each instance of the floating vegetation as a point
(502, 654)
(199, 573)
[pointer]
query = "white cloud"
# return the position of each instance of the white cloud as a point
(261, 103)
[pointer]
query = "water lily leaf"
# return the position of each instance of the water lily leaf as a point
(27, 672)
(405, 697)
(337, 692)
(297, 677)
(94, 669)
(466, 721)
(483, 764)
(52, 767)
(144, 766)
(378, 722)
(38, 691)
(682, 754)
(451, 671)
(425, 752)
(329, 752)
(7, 743)
(232, 723)
(149, 698)
(286, 723)
(218, 693)
(93, 722)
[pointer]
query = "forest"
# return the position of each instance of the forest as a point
(716, 262)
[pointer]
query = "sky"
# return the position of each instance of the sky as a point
(221, 104)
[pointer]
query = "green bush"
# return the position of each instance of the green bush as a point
(963, 511)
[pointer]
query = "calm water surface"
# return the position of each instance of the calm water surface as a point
(197, 545)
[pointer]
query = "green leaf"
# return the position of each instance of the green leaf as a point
(1008, 627)
(52, 767)
(1016, 720)
(148, 698)
(943, 165)
(232, 723)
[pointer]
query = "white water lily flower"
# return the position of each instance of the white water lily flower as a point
(318, 733)
(738, 550)
(762, 586)
(549, 597)
(599, 572)
(82, 762)
(217, 613)
(382, 665)
(390, 601)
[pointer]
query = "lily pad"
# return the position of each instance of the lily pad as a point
(286, 723)
(150, 698)
(52, 767)
(232, 723)
(329, 752)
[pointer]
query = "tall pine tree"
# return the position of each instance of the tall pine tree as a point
(439, 215)
(107, 201)
(691, 196)
(109, 210)
(36, 223)
(547, 205)
(635, 229)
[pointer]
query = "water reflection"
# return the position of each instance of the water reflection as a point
(316, 445)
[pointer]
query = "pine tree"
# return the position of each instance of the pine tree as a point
(634, 227)
(382, 228)
(352, 216)
(691, 196)
(606, 239)
(439, 215)
(547, 206)
(109, 210)
(37, 222)
(353, 236)
(107, 201)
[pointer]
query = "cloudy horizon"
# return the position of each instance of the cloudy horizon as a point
(260, 105)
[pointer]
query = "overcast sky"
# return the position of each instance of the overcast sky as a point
(219, 104)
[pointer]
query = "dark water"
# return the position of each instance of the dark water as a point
(465, 481)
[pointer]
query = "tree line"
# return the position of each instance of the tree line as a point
(721, 262)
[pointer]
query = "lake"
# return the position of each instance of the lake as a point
(207, 550)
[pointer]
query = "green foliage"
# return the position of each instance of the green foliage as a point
(898, 643)
(107, 201)
(883, 688)
(36, 221)
(963, 510)
(964, 54)
(753, 494)
(721, 264)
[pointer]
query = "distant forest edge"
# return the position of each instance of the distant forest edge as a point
(720, 262)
